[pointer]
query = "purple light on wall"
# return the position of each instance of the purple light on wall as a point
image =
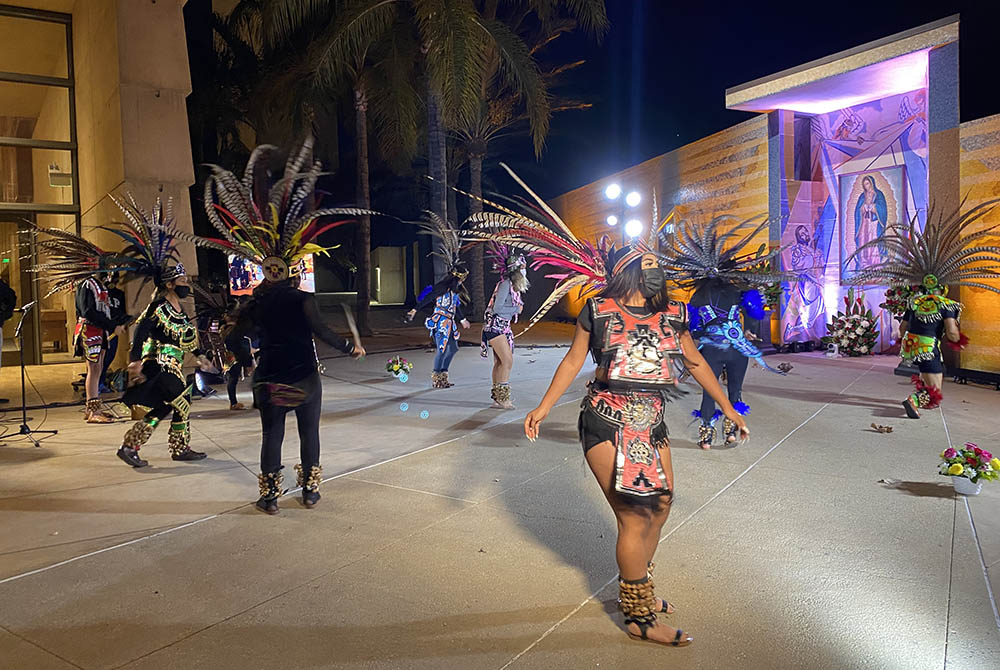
(872, 82)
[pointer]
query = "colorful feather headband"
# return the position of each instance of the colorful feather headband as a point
(541, 233)
(273, 225)
(696, 252)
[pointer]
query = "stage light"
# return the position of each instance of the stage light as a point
(612, 191)
(633, 228)
(633, 199)
(612, 220)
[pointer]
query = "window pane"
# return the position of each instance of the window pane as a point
(35, 175)
(35, 112)
(32, 47)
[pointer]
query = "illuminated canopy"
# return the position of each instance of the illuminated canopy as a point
(892, 65)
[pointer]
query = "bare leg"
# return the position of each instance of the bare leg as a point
(94, 369)
(503, 359)
(636, 527)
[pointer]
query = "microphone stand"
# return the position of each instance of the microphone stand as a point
(25, 430)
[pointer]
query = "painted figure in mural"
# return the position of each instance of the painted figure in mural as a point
(806, 309)
(870, 216)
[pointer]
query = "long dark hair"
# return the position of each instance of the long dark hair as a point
(627, 281)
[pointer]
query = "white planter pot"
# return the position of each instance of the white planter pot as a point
(965, 486)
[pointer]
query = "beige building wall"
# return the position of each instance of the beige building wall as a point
(980, 182)
(724, 173)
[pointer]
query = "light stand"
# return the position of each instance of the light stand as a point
(19, 334)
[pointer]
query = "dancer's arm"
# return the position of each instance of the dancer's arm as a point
(703, 374)
(567, 371)
(951, 329)
(323, 332)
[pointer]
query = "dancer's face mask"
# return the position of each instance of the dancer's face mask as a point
(653, 281)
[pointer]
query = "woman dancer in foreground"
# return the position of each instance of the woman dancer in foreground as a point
(633, 331)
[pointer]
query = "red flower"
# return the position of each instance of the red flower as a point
(972, 460)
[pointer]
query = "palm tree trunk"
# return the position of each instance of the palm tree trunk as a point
(363, 195)
(437, 158)
(476, 270)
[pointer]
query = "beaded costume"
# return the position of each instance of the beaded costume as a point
(723, 277)
(925, 263)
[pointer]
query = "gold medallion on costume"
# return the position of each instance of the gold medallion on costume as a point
(275, 269)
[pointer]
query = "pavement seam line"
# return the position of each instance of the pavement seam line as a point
(979, 546)
(678, 526)
(39, 647)
(106, 549)
(982, 563)
(59, 564)
(404, 488)
(349, 564)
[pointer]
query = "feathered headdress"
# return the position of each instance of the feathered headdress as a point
(149, 253)
(211, 299)
(578, 263)
(69, 259)
(448, 243)
(942, 254)
(503, 259)
(696, 252)
(150, 241)
(273, 225)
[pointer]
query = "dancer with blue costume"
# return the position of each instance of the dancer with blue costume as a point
(723, 307)
(446, 296)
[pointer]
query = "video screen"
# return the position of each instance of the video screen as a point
(245, 276)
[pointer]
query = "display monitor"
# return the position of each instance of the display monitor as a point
(245, 276)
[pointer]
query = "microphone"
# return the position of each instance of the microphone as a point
(26, 307)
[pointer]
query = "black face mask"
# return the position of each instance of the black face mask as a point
(653, 281)
(182, 291)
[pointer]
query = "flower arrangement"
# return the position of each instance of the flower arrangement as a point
(970, 462)
(771, 291)
(854, 330)
(398, 365)
(897, 299)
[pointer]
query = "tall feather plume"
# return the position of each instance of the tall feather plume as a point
(698, 251)
(945, 249)
(65, 258)
(260, 217)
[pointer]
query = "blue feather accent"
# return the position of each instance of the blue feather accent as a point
(694, 317)
(426, 292)
(696, 413)
(742, 408)
(753, 303)
(716, 416)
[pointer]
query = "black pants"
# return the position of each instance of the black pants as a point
(272, 420)
(232, 379)
(109, 357)
(735, 365)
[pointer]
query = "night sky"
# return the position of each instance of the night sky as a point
(658, 79)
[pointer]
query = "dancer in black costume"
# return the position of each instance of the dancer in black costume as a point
(273, 223)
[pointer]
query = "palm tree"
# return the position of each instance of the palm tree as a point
(516, 91)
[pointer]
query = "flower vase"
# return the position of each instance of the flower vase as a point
(965, 486)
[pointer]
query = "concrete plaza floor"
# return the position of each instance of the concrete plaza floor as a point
(452, 542)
